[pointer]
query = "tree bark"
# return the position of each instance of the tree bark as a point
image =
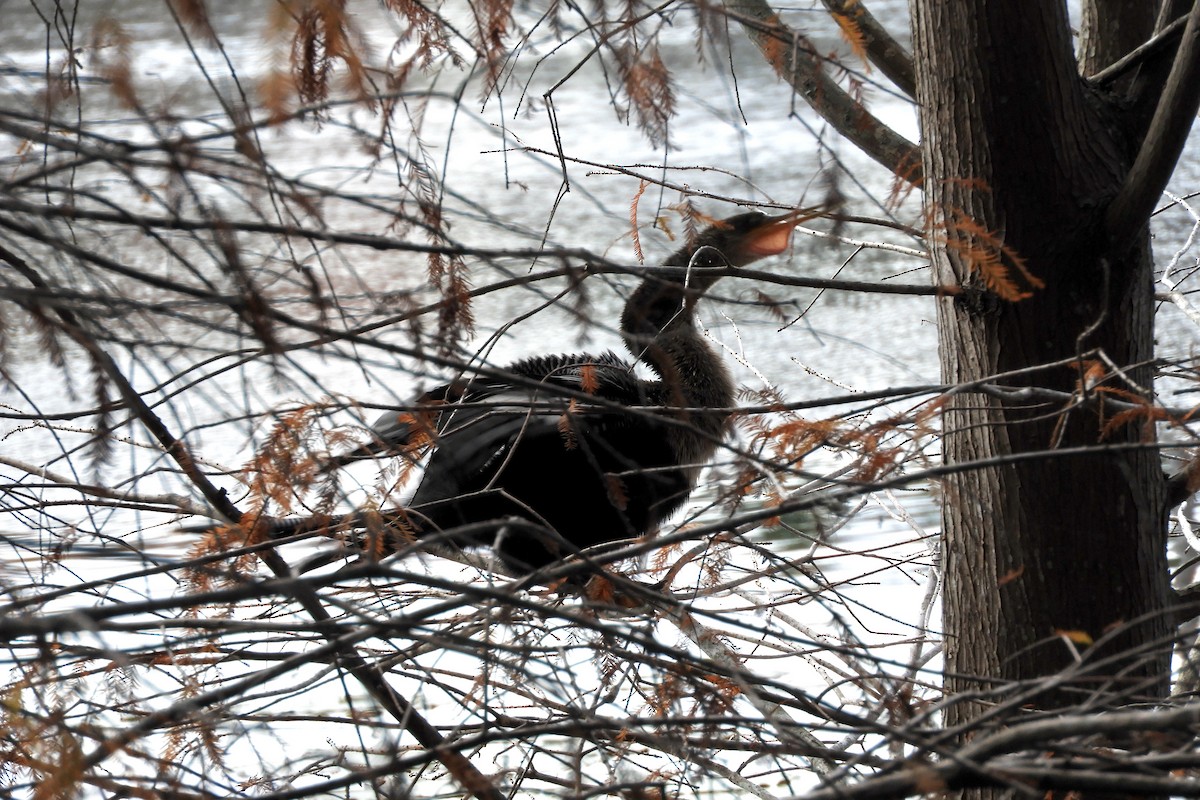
(1021, 160)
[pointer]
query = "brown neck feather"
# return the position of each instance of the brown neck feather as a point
(659, 330)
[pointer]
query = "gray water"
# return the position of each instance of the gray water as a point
(738, 133)
(499, 195)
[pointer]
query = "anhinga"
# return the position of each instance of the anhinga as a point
(560, 447)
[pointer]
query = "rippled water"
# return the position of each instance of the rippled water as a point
(737, 133)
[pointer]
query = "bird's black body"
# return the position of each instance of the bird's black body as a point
(564, 444)
(585, 471)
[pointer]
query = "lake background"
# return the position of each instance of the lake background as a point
(738, 133)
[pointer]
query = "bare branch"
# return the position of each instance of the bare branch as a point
(793, 60)
(884, 51)
(1164, 140)
(1156, 44)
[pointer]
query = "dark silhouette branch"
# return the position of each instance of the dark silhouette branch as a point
(884, 51)
(1155, 45)
(1164, 140)
(794, 61)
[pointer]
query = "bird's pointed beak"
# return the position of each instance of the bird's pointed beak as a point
(775, 234)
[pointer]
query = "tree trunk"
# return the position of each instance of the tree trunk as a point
(1021, 159)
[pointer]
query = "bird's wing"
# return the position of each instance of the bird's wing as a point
(398, 430)
(462, 408)
(413, 425)
(475, 435)
(606, 376)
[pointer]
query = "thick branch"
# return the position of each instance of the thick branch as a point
(885, 52)
(795, 62)
(1164, 140)
(1134, 58)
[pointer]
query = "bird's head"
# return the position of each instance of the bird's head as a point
(739, 240)
(663, 303)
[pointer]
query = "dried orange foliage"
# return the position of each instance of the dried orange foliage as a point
(207, 654)
(223, 539)
(194, 14)
(276, 92)
(727, 690)
(589, 380)
(421, 426)
(566, 426)
(985, 253)
(771, 305)
(853, 33)
(450, 276)
(599, 589)
(928, 412)
(793, 439)
(693, 221)
(1093, 373)
(456, 320)
(633, 221)
(424, 28)
(1145, 413)
(281, 472)
(112, 52)
(492, 18)
(878, 460)
(663, 556)
(385, 536)
(285, 466)
(773, 499)
(326, 34)
(1077, 636)
(314, 42)
(1092, 376)
(878, 448)
(904, 181)
(683, 689)
(1191, 473)
(666, 693)
(184, 740)
(647, 84)
(42, 744)
(616, 491)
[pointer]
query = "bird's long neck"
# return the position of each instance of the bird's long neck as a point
(659, 329)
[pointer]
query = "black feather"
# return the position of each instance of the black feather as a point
(583, 471)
